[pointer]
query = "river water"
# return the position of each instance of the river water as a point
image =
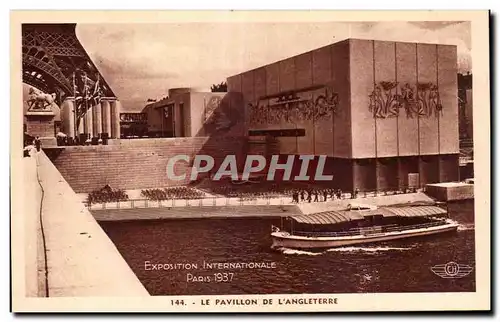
(182, 244)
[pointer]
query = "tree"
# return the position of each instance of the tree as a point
(222, 87)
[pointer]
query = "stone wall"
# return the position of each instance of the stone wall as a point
(140, 163)
(41, 126)
(30, 211)
(450, 191)
(423, 76)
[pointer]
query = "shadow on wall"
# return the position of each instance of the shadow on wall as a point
(224, 116)
(224, 128)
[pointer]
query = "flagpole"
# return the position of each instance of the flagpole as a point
(86, 108)
(75, 109)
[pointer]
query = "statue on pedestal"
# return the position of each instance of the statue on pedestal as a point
(39, 101)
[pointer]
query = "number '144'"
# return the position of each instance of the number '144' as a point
(177, 302)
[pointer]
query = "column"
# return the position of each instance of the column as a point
(106, 117)
(81, 126)
(115, 119)
(97, 120)
(88, 123)
(68, 116)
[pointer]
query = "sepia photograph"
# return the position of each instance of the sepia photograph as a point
(258, 161)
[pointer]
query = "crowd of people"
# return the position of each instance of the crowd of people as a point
(298, 195)
(106, 194)
(319, 195)
(82, 139)
(172, 193)
(299, 192)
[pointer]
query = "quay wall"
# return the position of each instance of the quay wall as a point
(34, 274)
(81, 259)
(140, 163)
(452, 191)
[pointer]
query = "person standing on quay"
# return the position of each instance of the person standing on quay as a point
(38, 143)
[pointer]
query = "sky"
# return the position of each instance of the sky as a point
(141, 61)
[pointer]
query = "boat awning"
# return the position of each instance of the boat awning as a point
(415, 211)
(328, 217)
(335, 217)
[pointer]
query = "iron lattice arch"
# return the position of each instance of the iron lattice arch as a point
(51, 54)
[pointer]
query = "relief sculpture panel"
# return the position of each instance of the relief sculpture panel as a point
(416, 100)
(293, 107)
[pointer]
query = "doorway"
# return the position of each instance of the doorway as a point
(181, 117)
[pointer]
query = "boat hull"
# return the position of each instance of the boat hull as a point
(283, 239)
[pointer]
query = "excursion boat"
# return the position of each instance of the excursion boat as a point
(360, 224)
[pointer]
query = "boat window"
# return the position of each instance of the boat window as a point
(359, 207)
(376, 219)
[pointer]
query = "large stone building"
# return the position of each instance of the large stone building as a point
(384, 113)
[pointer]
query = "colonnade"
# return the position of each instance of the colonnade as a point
(100, 119)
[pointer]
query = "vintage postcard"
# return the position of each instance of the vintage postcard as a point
(250, 161)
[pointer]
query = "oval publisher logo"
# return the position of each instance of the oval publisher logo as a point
(451, 270)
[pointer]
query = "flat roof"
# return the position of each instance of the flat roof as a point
(336, 43)
(335, 217)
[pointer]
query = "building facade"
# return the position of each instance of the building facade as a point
(384, 113)
(187, 113)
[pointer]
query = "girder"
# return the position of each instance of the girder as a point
(49, 69)
(51, 55)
